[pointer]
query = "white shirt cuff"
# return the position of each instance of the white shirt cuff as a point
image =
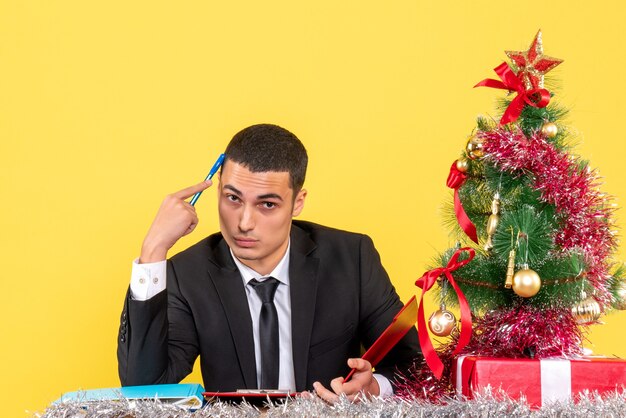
(147, 279)
(385, 386)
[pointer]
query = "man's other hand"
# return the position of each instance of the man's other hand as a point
(362, 381)
(175, 219)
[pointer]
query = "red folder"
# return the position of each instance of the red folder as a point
(257, 397)
(401, 324)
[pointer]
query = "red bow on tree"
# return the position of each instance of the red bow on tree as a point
(456, 178)
(425, 283)
(536, 97)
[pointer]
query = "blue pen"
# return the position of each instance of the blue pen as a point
(216, 166)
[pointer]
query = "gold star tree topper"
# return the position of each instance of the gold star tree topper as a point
(532, 64)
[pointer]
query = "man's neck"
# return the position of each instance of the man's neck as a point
(261, 267)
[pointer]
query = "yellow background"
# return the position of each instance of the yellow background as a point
(107, 106)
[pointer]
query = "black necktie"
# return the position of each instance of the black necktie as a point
(268, 332)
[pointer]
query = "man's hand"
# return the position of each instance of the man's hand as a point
(362, 381)
(175, 219)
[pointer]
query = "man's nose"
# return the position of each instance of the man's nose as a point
(246, 220)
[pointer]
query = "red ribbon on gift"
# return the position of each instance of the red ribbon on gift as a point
(455, 180)
(425, 283)
(534, 97)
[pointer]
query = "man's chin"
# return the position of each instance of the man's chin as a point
(243, 254)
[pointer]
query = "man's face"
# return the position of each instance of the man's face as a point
(255, 211)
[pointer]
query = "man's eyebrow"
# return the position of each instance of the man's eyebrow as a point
(260, 197)
(233, 189)
(270, 196)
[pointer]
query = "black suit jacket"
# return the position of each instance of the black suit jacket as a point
(341, 300)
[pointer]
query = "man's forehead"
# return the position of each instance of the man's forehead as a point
(241, 178)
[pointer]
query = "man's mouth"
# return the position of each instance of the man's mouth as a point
(245, 242)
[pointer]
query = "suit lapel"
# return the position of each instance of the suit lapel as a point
(227, 280)
(303, 282)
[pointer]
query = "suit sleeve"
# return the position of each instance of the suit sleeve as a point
(157, 341)
(379, 304)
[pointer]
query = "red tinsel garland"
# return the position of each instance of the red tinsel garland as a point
(584, 212)
(526, 331)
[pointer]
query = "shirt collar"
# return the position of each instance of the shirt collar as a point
(280, 272)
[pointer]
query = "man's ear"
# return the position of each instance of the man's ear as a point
(298, 203)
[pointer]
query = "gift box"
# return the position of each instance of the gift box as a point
(539, 381)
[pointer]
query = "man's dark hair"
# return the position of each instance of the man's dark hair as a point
(265, 147)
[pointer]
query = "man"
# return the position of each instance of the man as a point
(269, 302)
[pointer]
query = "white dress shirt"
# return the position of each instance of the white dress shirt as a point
(282, 301)
(149, 279)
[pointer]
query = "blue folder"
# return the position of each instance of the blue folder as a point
(186, 395)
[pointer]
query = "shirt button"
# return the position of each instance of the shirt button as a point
(142, 280)
(155, 280)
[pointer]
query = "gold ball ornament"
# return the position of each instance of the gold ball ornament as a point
(474, 147)
(549, 129)
(461, 165)
(587, 311)
(620, 303)
(526, 282)
(442, 322)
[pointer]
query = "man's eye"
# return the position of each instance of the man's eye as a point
(268, 205)
(232, 198)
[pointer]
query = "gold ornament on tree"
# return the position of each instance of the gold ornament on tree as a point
(474, 147)
(461, 165)
(492, 222)
(549, 130)
(526, 282)
(587, 310)
(510, 267)
(442, 322)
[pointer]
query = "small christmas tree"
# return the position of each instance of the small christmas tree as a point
(537, 268)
